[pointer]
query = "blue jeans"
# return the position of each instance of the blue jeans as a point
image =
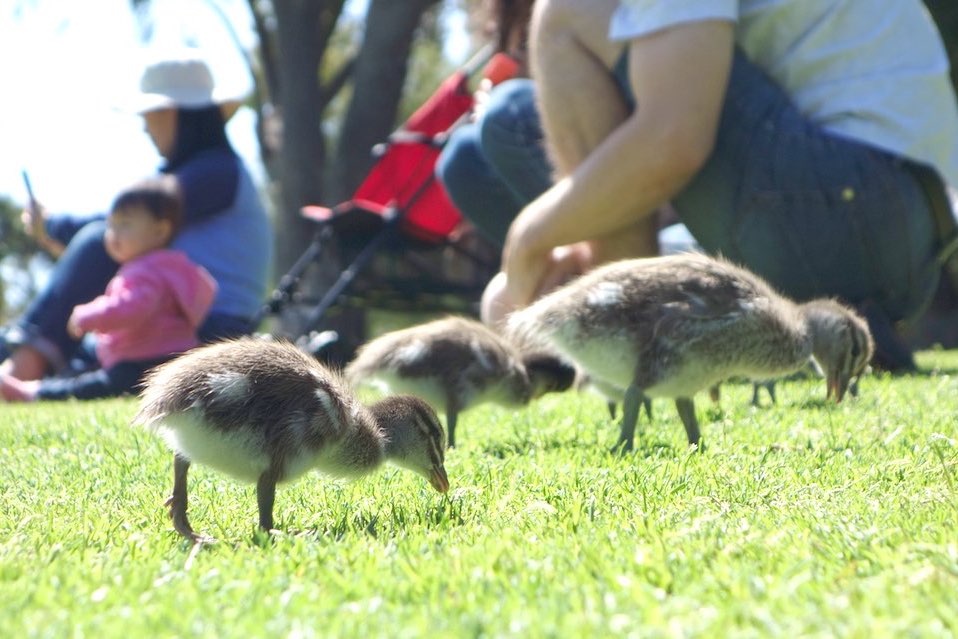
(814, 213)
(80, 275)
(493, 167)
(119, 379)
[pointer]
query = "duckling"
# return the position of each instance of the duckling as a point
(455, 363)
(266, 412)
(671, 326)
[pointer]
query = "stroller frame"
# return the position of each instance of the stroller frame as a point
(392, 221)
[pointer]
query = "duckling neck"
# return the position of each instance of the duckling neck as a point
(362, 449)
(823, 324)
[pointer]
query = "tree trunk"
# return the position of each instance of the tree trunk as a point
(299, 52)
(379, 74)
(292, 57)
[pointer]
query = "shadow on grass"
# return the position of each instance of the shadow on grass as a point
(512, 448)
(924, 372)
(647, 446)
(388, 522)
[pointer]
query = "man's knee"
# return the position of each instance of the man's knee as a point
(571, 27)
(459, 159)
(510, 118)
(554, 21)
(558, 14)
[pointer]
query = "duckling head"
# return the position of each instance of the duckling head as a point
(548, 373)
(842, 345)
(414, 437)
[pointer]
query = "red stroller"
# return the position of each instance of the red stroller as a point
(402, 208)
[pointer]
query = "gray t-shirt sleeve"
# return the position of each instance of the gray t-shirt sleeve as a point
(636, 18)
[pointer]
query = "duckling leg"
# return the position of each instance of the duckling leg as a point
(686, 409)
(177, 501)
(630, 415)
(451, 415)
(768, 386)
(715, 394)
(265, 496)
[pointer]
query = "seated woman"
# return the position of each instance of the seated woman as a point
(225, 230)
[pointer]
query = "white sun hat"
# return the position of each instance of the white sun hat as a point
(181, 79)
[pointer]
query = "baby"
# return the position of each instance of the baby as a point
(151, 308)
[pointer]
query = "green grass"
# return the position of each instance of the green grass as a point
(802, 519)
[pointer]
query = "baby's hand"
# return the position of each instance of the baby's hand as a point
(73, 329)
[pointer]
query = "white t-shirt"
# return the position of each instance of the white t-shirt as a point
(871, 70)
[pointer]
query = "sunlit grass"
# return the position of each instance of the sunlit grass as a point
(801, 519)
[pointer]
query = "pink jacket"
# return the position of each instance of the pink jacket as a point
(152, 307)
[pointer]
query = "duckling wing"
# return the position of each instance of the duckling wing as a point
(244, 406)
(451, 358)
(707, 333)
(640, 320)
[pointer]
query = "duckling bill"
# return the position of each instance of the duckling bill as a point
(266, 412)
(671, 326)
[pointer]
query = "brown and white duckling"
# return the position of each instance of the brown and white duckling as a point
(671, 326)
(266, 412)
(455, 363)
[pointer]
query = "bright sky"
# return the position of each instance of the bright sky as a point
(68, 66)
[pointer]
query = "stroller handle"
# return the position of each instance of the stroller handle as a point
(498, 68)
(403, 136)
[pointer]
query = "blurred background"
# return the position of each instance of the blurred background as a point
(326, 80)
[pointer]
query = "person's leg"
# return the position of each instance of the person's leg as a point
(580, 99)
(512, 140)
(580, 102)
(814, 213)
(81, 273)
(24, 362)
(117, 380)
(474, 186)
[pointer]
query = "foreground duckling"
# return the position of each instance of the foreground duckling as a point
(266, 412)
(456, 363)
(671, 326)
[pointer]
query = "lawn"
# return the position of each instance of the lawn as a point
(801, 519)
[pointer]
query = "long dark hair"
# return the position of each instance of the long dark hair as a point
(197, 130)
(512, 23)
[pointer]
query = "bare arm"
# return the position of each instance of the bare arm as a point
(679, 78)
